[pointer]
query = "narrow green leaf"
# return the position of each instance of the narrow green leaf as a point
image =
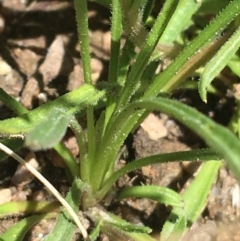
(95, 233)
(109, 218)
(71, 103)
(116, 33)
(19, 109)
(114, 233)
(130, 87)
(180, 20)
(145, 53)
(99, 130)
(18, 231)
(13, 144)
(82, 143)
(189, 84)
(160, 194)
(27, 207)
(49, 131)
(218, 62)
(18, 127)
(128, 54)
(116, 228)
(124, 225)
(68, 158)
(174, 227)
(65, 227)
(180, 224)
(195, 198)
(193, 155)
(83, 37)
(196, 195)
(11, 103)
(119, 234)
(223, 141)
(168, 79)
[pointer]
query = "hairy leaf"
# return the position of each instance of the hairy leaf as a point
(223, 141)
(49, 131)
(195, 198)
(218, 62)
(18, 231)
(72, 103)
(26, 207)
(65, 227)
(160, 194)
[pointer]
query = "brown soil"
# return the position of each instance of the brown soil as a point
(39, 60)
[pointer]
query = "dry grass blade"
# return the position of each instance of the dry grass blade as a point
(49, 186)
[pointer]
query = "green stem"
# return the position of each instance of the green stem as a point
(145, 53)
(68, 158)
(127, 55)
(91, 136)
(116, 32)
(111, 143)
(108, 153)
(195, 199)
(163, 78)
(11, 103)
(82, 143)
(82, 27)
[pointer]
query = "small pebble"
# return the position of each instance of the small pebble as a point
(22, 176)
(5, 195)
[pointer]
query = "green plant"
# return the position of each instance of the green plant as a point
(130, 93)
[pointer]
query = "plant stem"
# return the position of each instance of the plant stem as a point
(108, 151)
(145, 53)
(82, 143)
(68, 158)
(116, 33)
(11, 103)
(82, 27)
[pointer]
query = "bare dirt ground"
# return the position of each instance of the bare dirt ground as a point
(39, 60)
